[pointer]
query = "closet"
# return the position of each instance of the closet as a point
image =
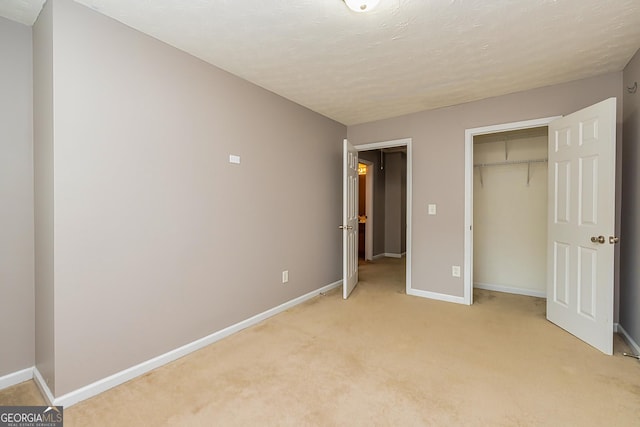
(510, 211)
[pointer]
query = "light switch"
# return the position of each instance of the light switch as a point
(432, 209)
(234, 159)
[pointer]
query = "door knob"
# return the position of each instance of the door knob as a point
(349, 227)
(613, 240)
(599, 239)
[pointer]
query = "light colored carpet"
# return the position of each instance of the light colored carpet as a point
(25, 394)
(384, 358)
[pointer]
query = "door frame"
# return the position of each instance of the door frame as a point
(404, 142)
(468, 189)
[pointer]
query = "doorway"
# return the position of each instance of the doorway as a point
(510, 211)
(366, 211)
(470, 173)
(404, 144)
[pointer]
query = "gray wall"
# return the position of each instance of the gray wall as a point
(44, 193)
(392, 203)
(630, 236)
(159, 240)
(378, 200)
(438, 164)
(395, 212)
(16, 198)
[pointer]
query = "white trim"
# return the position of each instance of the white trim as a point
(510, 290)
(634, 345)
(15, 378)
(400, 143)
(390, 255)
(468, 190)
(118, 378)
(44, 388)
(435, 295)
(384, 144)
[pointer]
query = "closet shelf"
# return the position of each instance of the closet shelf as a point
(510, 162)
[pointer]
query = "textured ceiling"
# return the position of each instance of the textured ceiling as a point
(405, 56)
(22, 11)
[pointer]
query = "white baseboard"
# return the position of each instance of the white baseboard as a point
(634, 345)
(44, 388)
(118, 378)
(16, 378)
(436, 296)
(510, 290)
(390, 255)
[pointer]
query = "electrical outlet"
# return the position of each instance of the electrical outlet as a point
(285, 276)
(455, 270)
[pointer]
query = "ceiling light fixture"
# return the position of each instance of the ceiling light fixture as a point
(361, 5)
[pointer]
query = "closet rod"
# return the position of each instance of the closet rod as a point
(510, 162)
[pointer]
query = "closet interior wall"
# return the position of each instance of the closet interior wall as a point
(510, 211)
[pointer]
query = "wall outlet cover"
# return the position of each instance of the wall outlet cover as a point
(455, 271)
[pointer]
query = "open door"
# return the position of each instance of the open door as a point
(581, 223)
(349, 225)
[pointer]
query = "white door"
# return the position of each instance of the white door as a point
(349, 219)
(581, 221)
